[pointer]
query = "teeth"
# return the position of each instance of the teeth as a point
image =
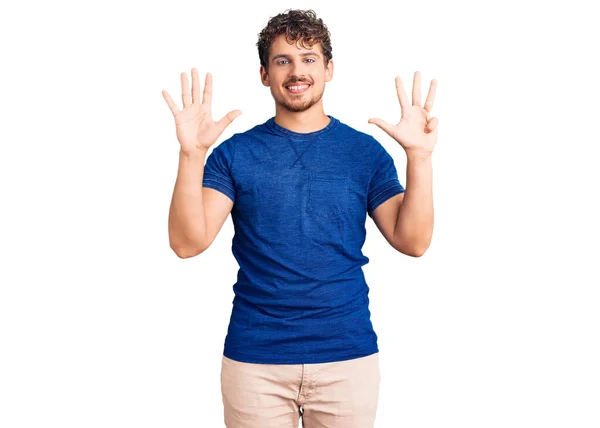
(297, 88)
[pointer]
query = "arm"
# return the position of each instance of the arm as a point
(413, 226)
(197, 213)
(407, 221)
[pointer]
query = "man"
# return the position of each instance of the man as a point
(300, 342)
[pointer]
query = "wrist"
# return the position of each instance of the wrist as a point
(418, 155)
(195, 153)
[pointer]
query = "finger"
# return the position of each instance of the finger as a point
(207, 97)
(416, 91)
(170, 103)
(227, 119)
(389, 129)
(431, 125)
(430, 96)
(185, 90)
(195, 87)
(402, 97)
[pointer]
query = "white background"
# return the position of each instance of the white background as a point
(102, 325)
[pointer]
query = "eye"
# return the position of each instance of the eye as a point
(285, 60)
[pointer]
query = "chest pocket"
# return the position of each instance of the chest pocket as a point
(327, 194)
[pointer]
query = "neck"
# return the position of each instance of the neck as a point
(306, 121)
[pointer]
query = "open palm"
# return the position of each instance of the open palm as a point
(416, 131)
(194, 125)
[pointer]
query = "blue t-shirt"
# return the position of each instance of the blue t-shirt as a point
(300, 202)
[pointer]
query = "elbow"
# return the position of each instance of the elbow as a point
(185, 248)
(413, 246)
(413, 251)
(182, 254)
(187, 252)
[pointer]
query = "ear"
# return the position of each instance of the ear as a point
(329, 71)
(264, 76)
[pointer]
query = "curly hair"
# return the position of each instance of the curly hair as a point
(297, 25)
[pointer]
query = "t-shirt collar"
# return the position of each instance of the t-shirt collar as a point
(273, 126)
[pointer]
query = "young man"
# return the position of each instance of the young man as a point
(299, 186)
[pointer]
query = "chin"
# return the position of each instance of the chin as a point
(298, 106)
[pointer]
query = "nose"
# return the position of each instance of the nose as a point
(297, 72)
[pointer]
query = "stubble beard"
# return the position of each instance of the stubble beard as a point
(297, 107)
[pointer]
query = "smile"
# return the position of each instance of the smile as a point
(297, 89)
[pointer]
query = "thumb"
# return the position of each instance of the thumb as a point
(389, 129)
(227, 119)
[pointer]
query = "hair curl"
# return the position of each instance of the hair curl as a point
(297, 25)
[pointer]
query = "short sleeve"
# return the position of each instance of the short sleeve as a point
(218, 169)
(384, 178)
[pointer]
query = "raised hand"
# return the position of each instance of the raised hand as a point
(417, 131)
(195, 126)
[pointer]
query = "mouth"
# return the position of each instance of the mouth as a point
(297, 88)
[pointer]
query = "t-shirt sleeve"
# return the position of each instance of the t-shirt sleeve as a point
(384, 178)
(218, 169)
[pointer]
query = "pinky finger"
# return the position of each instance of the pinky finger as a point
(432, 124)
(170, 103)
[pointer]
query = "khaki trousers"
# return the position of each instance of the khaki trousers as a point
(341, 394)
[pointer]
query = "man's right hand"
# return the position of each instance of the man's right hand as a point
(196, 129)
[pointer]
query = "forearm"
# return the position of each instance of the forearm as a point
(187, 220)
(414, 226)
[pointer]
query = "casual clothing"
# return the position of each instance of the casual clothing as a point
(299, 213)
(340, 394)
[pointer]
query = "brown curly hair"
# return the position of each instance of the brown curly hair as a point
(297, 25)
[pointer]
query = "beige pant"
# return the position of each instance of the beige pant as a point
(342, 394)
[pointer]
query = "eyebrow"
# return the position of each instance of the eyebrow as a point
(302, 54)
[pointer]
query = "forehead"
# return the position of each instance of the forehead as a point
(280, 46)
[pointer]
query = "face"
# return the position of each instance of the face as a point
(291, 69)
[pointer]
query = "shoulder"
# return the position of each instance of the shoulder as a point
(225, 147)
(378, 155)
(255, 134)
(232, 148)
(350, 133)
(229, 144)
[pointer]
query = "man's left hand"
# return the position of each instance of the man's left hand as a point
(416, 132)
